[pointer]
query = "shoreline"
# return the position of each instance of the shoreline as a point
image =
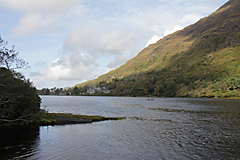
(237, 98)
(50, 119)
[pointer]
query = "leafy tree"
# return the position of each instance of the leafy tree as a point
(83, 89)
(57, 91)
(76, 90)
(18, 99)
(45, 91)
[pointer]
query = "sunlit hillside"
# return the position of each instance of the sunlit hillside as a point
(202, 60)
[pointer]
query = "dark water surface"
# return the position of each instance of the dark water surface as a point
(166, 128)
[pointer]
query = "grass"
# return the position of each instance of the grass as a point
(46, 119)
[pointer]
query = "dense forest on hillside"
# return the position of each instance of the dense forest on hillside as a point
(202, 60)
(187, 80)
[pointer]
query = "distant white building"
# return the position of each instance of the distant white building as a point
(94, 89)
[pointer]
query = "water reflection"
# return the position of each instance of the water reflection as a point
(18, 142)
(202, 128)
(166, 128)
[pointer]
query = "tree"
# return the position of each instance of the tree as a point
(76, 91)
(18, 99)
(57, 91)
(45, 91)
(9, 57)
(83, 89)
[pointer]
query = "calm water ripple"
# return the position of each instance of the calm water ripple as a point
(166, 128)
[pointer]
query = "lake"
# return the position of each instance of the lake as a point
(163, 128)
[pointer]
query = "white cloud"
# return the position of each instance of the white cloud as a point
(42, 15)
(91, 30)
(40, 6)
(35, 23)
(153, 40)
(172, 29)
(97, 40)
(189, 19)
(75, 68)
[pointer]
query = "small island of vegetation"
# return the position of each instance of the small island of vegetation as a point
(43, 118)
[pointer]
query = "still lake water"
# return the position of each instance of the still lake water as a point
(165, 128)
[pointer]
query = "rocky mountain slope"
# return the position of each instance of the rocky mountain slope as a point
(202, 60)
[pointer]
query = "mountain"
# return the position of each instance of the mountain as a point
(201, 60)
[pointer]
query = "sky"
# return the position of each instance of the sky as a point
(67, 42)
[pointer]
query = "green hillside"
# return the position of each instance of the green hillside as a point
(202, 60)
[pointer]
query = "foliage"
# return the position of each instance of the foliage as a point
(18, 99)
(51, 91)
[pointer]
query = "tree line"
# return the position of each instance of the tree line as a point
(51, 91)
(61, 91)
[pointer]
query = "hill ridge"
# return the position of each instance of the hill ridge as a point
(174, 60)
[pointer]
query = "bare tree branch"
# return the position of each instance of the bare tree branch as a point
(9, 57)
(18, 98)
